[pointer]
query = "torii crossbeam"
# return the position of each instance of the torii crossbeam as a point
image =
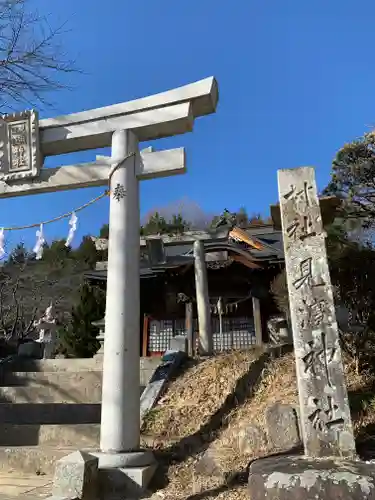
(25, 141)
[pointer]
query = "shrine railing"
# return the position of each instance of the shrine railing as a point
(238, 333)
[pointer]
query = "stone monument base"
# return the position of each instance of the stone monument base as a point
(128, 473)
(300, 478)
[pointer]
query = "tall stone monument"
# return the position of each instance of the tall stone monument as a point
(329, 468)
(325, 415)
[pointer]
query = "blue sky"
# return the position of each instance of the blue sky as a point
(296, 82)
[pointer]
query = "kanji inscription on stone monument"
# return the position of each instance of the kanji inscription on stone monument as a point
(19, 146)
(325, 416)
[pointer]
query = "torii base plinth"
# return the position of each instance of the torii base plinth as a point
(125, 473)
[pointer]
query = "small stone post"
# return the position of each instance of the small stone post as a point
(325, 416)
(189, 327)
(257, 321)
(220, 310)
(203, 304)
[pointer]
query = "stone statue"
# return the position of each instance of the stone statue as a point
(47, 331)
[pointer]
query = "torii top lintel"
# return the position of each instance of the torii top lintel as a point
(161, 115)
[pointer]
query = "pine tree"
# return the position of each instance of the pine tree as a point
(87, 252)
(177, 224)
(242, 219)
(19, 254)
(78, 339)
(104, 231)
(156, 224)
(57, 254)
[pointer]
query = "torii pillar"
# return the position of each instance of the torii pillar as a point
(122, 126)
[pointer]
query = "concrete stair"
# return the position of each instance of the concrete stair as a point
(49, 413)
(73, 435)
(32, 459)
(51, 410)
(54, 387)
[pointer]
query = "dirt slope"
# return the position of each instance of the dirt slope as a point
(210, 405)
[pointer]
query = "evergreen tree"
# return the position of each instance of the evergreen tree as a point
(353, 182)
(78, 339)
(57, 253)
(19, 254)
(177, 224)
(157, 224)
(242, 219)
(104, 231)
(87, 252)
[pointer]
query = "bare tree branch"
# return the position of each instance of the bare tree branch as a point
(31, 59)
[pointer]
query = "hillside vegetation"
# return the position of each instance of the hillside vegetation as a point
(28, 286)
(211, 405)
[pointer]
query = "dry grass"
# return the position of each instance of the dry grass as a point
(361, 389)
(193, 398)
(188, 407)
(185, 484)
(278, 386)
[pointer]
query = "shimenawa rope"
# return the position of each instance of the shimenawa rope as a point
(82, 207)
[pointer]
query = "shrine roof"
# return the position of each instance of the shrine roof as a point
(178, 252)
(272, 241)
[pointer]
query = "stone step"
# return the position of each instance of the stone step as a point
(55, 387)
(72, 365)
(67, 413)
(62, 379)
(55, 365)
(32, 459)
(23, 367)
(78, 435)
(50, 413)
(58, 387)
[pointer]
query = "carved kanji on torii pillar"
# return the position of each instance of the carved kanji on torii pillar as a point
(25, 141)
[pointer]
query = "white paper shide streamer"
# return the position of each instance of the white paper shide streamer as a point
(38, 249)
(2, 243)
(73, 228)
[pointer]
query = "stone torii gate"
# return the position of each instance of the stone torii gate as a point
(25, 141)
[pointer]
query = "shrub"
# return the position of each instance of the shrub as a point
(78, 338)
(279, 291)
